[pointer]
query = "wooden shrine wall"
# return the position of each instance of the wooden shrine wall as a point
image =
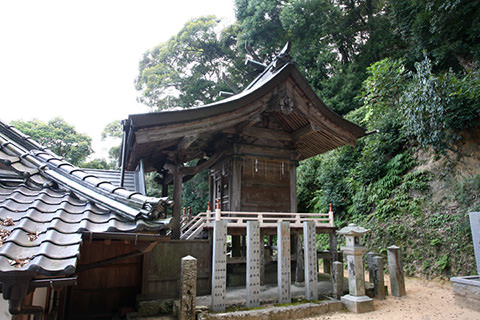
(254, 184)
(107, 290)
(162, 268)
(265, 185)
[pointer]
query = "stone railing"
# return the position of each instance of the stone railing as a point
(238, 219)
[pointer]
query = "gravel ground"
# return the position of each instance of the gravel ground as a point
(426, 300)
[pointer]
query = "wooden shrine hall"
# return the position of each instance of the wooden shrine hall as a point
(251, 142)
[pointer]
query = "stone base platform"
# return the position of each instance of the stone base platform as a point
(357, 304)
(235, 296)
(235, 299)
(300, 311)
(467, 291)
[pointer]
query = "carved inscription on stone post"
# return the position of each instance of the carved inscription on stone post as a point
(378, 275)
(310, 248)
(188, 294)
(395, 268)
(283, 262)
(337, 279)
(253, 264)
(219, 265)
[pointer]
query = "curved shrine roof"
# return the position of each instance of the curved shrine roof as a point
(279, 94)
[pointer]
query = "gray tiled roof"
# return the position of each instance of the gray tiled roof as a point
(46, 204)
(133, 180)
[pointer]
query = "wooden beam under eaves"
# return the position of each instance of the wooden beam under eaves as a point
(186, 142)
(303, 131)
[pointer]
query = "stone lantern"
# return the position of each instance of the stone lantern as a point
(356, 300)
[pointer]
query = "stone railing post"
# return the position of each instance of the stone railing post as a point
(395, 268)
(253, 264)
(188, 296)
(337, 279)
(311, 271)
(378, 281)
(219, 265)
(370, 256)
(283, 262)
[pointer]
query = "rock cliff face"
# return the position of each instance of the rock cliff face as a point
(436, 196)
(455, 175)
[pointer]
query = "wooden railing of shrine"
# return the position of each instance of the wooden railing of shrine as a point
(236, 219)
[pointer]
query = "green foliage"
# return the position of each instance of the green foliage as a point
(468, 193)
(112, 130)
(376, 184)
(186, 70)
(332, 42)
(58, 136)
(448, 30)
(195, 192)
(260, 23)
(443, 262)
(382, 91)
(153, 184)
(438, 107)
(99, 164)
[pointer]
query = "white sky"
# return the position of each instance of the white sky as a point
(78, 59)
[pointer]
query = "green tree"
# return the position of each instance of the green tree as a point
(187, 70)
(448, 31)
(332, 42)
(261, 26)
(98, 163)
(58, 136)
(113, 131)
(195, 192)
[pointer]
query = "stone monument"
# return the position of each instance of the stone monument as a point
(467, 289)
(283, 262)
(337, 279)
(188, 282)
(356, 300)
(311, 271)
(378, 277)
(219, 265)
(395, 268)
(253, 264)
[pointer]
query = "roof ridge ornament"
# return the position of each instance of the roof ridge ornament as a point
(283, 57)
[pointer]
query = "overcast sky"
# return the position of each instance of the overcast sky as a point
(78, 59)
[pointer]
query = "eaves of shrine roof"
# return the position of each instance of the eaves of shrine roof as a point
(280, 91)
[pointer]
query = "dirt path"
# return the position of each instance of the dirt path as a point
(426, 300)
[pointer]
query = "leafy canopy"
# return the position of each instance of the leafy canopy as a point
(58, 136)
(187, 70)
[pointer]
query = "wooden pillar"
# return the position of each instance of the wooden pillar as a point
(235, 193)
(244, 246)
(293, 187)
(333, 246)
(236, 188)
(236, 246)
(165, 184)
(177, 198)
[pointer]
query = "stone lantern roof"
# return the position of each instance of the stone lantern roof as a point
(353, 230)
